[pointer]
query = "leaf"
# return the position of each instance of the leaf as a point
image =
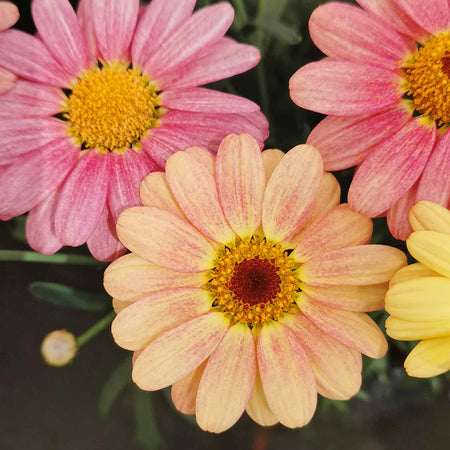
(119, 379)
(240, 15)
(147, 432)
(67, 297)
(279, 31)
(272, 9)
(337, 404)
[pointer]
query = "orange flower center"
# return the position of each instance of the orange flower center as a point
(428, 78)
(112, 108)
(253, 281)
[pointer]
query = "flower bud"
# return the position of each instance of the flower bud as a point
(59, 348)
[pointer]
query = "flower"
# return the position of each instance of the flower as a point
(9, 15)
(244, 294)
(384, 86)
(418, 299)
(105, 96)
(59, 348)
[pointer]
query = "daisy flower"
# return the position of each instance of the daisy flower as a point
(385, 88)
(105, 96)
(418, 299)
(247, 285)
(9, 15)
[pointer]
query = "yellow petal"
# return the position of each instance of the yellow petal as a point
(406, 330)
(429, 216)
(412, 272)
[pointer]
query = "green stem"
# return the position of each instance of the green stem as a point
(95, 329)
(58, 258)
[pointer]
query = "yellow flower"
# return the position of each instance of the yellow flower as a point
(418, 299)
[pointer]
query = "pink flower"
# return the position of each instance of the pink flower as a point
(105, 96)
(385, 85)
(9, 15)
(247, 285)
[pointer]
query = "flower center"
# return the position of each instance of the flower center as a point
(253, 281)
(428, 78)
(112, 108)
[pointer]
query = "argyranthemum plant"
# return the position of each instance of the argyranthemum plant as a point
(247, 285)
(418, 299)
(385, 88)
(105, 96)
(9, 15)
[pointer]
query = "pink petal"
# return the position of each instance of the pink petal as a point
(58, 27)
(434, 185)
(7, 80)
(27, 56)
(356, 330)
(165, 240)
(394, 166)
(241, 183)
(184, 391)
(103, 243)
(177, 352)
(203, 29)
(344, 88)
(194, 189)
(344, 141)
(159, 20)
(286, 374)
(224, 59)
(19, 136)
(271, 157)
(144, 320)
(82, 198)
(114, 22)
(364, 264)
(348, 33)
(337, 367)
(206, 100)
(339, 228)
(397, 216)
(433, 15)
(40, 227)
(29, 99)
(35, 176)
(85, 17)
(227, 381)
(290, 191)
(9, 15)
(257, 407)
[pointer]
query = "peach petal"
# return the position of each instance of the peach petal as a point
(240, 182)
(290, 191)
(177, 352)
(354, 329)
(9, 15)
(119, 305)
(397, 216)
(227, 381)
(287, 377)
(271, 158)
(339, 228)
(361, 265)
(164, 239)
(204, 157)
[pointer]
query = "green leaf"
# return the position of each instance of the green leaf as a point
(119, 379)
(147, 433)
(240, 15)
(337, 404)
(362, 395)
(272, 9)
(57, 258)
(67, 297)
(279, 31)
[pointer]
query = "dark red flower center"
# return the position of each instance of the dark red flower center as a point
(446, 64)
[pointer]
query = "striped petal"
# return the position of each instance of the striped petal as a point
(430, 216)
(397, 216)
(412, 272)
(407, 330)
(271, 158)
(9, 15)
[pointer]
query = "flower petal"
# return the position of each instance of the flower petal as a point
(361, 265)
(354, 329)
(337, 368)
(194, 189)
(287, 377)
(82, 198)
(432, 249)
(227, 381)
(114, 21)
(177, 352)
(397, 216)
(85, 17)
(9, 15)
(290, 191)
(426, 215)
(7, 80)
(240, 183)
(141, 322)
(164, 239)
(412, 272)
(271, 158)
(339, 228)
(407, 330)
(344, 88)
(58, 27)
(392, 169)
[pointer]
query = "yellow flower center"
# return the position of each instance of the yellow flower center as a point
(428, 78)
(112, 108)
(253, 281)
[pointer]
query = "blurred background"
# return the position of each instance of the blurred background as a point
(92, 404)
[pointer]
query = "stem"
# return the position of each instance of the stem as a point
(59, 258)
(95, 329)
(261, 439)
